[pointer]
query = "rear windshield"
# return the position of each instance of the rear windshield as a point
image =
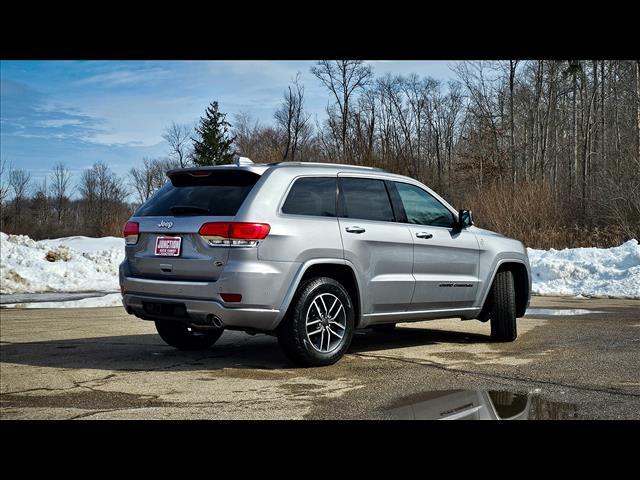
(217, 194)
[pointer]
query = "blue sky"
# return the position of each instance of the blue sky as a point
(116, 111)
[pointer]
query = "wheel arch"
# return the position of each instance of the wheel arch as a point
(338, 269)
(522, 283)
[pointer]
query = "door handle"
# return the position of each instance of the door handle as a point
(424, 235)
(355, 229)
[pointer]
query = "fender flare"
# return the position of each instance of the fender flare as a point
(497, 263)
(291, 291)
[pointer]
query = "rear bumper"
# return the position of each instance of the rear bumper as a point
(199, 312)
(263, 286)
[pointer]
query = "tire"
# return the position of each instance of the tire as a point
(503, 308)
(306, 345)
(176, 335)
(389, 327)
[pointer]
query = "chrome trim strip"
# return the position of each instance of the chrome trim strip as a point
(165, 281)
(419, 312)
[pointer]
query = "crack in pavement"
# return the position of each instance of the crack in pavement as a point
(440, 366)
(76, 384)
(89, 414)
(184, 405)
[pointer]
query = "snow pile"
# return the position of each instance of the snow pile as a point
(591, 272)
(111, 300)
(81, 264)
(72, 264)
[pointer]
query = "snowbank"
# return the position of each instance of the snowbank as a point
(591, 272)
(78, 264)
(72, 264)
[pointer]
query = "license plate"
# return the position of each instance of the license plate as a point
(168, 246)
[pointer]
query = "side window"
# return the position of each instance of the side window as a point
(421, 208)
(366, 199)
(312, 196)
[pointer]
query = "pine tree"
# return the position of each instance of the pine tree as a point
(214, 145)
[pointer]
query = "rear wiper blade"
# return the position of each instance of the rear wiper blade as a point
(178, 209)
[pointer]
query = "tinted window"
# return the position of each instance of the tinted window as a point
(217, 194)
(366, 199)
(423, 209)
(312, 196)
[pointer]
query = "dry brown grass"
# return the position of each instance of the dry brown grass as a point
(530, 213)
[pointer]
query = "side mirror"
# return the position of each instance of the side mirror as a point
(465, 218)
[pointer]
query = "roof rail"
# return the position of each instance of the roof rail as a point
(323, 164)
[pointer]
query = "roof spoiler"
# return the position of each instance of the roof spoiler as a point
(197, 171)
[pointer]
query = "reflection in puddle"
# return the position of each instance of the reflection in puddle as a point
(480, 405)
(557, 311)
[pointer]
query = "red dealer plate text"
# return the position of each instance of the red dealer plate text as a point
(168, 246)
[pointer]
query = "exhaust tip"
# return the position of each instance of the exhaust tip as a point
(215, 321)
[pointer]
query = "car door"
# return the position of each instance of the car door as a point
(380, 249)
(445, 258)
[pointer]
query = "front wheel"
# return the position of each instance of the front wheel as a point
(503, 308)
(319, 326)
(182, 337)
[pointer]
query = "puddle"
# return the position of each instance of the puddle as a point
(480, 405)
(558, 311)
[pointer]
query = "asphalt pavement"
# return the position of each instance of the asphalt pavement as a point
(100, 363)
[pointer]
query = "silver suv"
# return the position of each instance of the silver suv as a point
(310, 252)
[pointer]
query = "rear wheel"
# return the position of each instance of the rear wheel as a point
(503, 308)
(319, 325)
(181, 337)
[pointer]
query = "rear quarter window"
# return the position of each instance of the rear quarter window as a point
(312, 196)
(217, 194)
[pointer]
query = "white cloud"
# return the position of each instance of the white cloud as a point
(60, 122)
(123, 77)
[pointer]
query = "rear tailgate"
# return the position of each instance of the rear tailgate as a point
(196, 260)
(178, 210)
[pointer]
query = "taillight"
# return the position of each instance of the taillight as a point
(239, 234)
(248, 231)
(130, 233)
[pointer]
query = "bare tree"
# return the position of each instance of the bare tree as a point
(292, 120)
(5, 168)
(484, 110)
(60, 188)
(574, 69)
(343, 78)
(246, 130)
(638, 107)
(513, 64)
(262, 144)
(178, 136)
(41, 205)
(19, 181)
(150, 177)
(103, 193)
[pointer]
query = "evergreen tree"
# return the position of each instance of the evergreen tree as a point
(213, 145)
